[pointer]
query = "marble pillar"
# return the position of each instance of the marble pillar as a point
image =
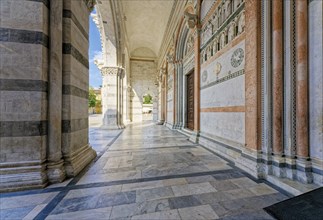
(277, 50)
(120, 97)
(252, 76)
(197, 80)
(302, 145)
(55, 163)
(110, 97)
(165, 80)
(175, 96)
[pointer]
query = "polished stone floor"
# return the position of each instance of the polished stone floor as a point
(147, 172)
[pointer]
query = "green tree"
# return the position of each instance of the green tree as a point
(92, 98)
(148, 99)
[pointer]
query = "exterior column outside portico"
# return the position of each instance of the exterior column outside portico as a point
(110, 92)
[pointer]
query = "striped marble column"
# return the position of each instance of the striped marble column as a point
(110, 97)
(24, 50)
(77, 152)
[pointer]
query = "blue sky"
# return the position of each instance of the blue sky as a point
(95, 51)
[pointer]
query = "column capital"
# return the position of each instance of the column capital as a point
(90, 4)
(111, 70)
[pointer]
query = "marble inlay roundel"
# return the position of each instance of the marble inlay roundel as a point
(237, 57)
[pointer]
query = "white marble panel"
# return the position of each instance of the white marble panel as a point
(230, 126)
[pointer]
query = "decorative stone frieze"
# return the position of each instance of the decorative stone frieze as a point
(218, 32)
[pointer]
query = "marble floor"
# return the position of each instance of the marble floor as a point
(147, 172)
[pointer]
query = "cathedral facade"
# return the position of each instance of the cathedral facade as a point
(242, 78)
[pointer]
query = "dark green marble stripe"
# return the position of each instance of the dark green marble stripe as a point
(23, 85)
(23, 36)
(23, 128)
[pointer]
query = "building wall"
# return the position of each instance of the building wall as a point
(142, 82)
(222, 97)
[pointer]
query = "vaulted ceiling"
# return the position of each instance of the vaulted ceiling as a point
(146, 22)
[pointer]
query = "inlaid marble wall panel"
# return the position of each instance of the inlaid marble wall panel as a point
(229, 126)
(223, 95)
(226, 67)
(227, 93)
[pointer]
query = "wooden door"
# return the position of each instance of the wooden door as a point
(190, 101)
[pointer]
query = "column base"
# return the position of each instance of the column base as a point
(56, 172)
(22, 176)
(278, 167)
(250, 161)
(194, 137)
(304, 170)
(78, 160)
(160, 122)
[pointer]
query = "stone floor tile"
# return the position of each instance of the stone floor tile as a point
(244, 182)
(239, 193)
(115, 199)
(198, 212)
(230, 175)
(223, 185)
(200, 179)
(76, 204)
(142, 185)
(170, 214)
(93, 191)
(15, 213)
(27, 200)
(183, 202)
(262, 189)
(33, 213)
(174, 182)
(140, 208)
(210, 198)
(194, 188)
(101, 213)
(153, 194)
(109, 177)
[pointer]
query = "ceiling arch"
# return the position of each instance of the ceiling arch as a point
(146, 22)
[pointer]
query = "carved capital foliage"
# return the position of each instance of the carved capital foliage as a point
(109, 71)
(90, 4)
(191, 19)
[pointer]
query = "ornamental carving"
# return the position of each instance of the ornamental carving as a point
(90, 4)
(237, 57)
(217, 68)
(191, 19)
(109, 71)
(204, 76)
